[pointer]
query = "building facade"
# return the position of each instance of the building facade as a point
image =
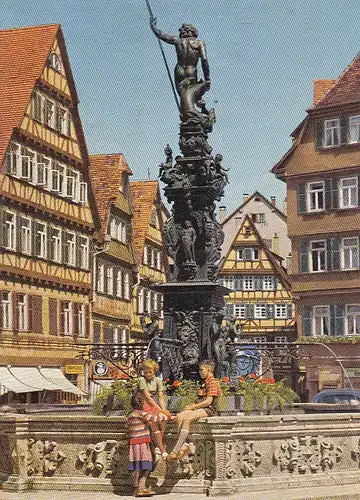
(114, 260)
(149, 217)
(269, 220)
(322, 171)
(47, 216)
(260, 300)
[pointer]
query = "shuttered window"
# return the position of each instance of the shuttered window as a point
(36, 313)
(6, 310)
(306, 321)
(97, 332)
(53, 317)
(332, 135)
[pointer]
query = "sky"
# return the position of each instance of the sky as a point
(263, 57)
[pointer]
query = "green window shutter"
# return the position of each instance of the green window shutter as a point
(289, 311)
(335, 254)
(319, 133)
(301, 198)
(328, 254)
(257, 283)
(238, 282)
(306, 321)
(339, 327)
(250, 311)
(275, 283)
(270, 311)
(334, 193)
(229, 310)
(328, 194)
(304, 259)
(344, 129)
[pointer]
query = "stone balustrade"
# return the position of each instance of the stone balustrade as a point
(228, 454)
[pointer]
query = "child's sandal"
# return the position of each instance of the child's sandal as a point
(142, 493)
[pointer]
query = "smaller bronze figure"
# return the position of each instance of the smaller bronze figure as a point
(188, 237)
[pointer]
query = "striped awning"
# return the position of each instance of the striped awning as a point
(56, 376)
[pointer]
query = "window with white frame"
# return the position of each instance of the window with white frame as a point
(101, 278)
(41, 175)
(110, 280)
(13, 159)
(354, 129)
(25, 235)
(6, 311)
(247, 254)
(71, 248)
(10, 230)
(318, 256)
(352, 320)
(259, 340)
(84, 252)
(54, 61)
(154, 306)
(321, 320)
(248, 283)
(316, 196)
(146, 254)
(260, 311)
(22, 310)
(280, 311)
(158, 260)
(83, 189)
(119, 283)
(71, 180)
(267, 283)
(280, 339)
(55, 244)
(81, 320)
(348, 192)
(27, 161)
(331, 132)
(140, 300)
(40, 239)
(37, 107)
(68, 319)
(153, 257)
(49, 112)
(240, 311)
(350, 253)
(228, 282)
(126, 285)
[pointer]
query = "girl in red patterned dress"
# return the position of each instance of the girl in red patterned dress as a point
(140, 457)
(153, 391)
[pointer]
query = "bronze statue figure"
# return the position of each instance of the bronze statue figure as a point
(189, 50)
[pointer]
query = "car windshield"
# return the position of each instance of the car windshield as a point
(345, 399)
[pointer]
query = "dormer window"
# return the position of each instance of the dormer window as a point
(332, 132)
(54, 62)
(354, 129)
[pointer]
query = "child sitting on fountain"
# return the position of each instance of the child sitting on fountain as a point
(205, 407)
(153, 391)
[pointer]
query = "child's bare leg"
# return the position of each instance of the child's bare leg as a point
(186, 419)
(135, 477)
(142, 479)
(162, 426)
(157, 436)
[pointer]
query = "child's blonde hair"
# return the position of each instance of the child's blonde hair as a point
(150, 363)
(209, 364)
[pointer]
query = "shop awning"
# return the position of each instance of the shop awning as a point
(11, 383)
(56, 377)
(30, 379)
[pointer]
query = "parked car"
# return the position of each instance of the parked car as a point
(344, 400)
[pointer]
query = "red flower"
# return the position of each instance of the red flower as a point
(226, 380)
(241, 379)
(176, 383)
(252, 375)
(167, 380)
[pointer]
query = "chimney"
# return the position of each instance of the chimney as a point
(238, 220)
(273, 201)
(245, 197)
(285, 206)
(222, 214)
(275, 245)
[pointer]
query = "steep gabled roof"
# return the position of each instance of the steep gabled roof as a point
(346, 88)
(269, 254)
(23, 54)
(265, 200)
(105, 173)
(144, 194)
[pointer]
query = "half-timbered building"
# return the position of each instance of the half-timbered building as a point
(114, 259)
(260, 299)
(47, 215)
(149, 217)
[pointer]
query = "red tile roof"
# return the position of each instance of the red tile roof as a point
(23, 54)
(346, 88)
(105, 173)
(320, 87)
(143, 194)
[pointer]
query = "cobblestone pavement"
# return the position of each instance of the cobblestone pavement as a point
(340, 492)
